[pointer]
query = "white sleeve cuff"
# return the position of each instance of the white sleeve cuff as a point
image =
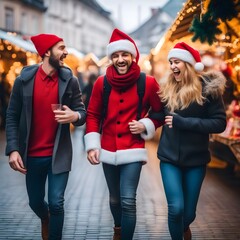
(150, 128)
(92, 141)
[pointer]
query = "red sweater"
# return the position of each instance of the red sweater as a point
(43, 126)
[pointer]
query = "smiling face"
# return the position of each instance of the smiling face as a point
(122, 61)
(178, 68)
(57, 55)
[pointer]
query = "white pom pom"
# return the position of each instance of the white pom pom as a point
(198, 66)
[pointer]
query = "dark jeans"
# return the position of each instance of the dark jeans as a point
(38, 169)
(122, 183)
(182, 188)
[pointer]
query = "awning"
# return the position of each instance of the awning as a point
(75, 52)
(16, 40)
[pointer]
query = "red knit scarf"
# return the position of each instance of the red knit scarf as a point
(123, 81)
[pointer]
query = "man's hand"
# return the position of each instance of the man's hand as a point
(136, 127)
(16, 163)
(66, 115)
(93, 156)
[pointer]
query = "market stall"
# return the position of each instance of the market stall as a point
(15, 52)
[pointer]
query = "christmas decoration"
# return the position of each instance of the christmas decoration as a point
(205, 29)
(222, 9)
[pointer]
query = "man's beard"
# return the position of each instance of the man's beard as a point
(53, 61)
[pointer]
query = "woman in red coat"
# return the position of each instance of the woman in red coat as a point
(120, 146)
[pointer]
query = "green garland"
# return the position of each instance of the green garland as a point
(223, 9)
(206, 29)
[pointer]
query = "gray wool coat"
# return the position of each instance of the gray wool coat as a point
(19, 116)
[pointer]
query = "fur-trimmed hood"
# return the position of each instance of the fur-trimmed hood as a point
(214, 83)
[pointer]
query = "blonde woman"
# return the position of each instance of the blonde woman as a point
(193, 109)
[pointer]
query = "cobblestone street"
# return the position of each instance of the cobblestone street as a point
(87, 214)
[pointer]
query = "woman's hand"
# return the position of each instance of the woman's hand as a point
(169, 120)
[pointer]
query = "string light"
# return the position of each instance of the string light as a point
(13, 53)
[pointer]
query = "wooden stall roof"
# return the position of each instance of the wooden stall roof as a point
(179, 31)
(183, 21)
(181, 25)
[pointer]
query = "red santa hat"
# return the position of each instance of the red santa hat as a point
(187, 54)
(43, 42)
(120, 41)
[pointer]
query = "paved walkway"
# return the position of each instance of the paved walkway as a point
(87, 215)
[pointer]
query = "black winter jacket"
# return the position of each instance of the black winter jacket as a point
(187, 142)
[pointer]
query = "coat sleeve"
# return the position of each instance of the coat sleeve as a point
(94, 111)
(215, 122)
(155, 105)
(157, 115)
(94, 114)
(13, 118)
(77, 103)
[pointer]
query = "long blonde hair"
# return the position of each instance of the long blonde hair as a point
(179, 95)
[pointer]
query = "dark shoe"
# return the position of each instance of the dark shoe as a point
(117, 233)
(187, 235)
(45, 231)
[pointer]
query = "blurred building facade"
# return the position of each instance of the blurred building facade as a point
(22, 16)
(83, 24)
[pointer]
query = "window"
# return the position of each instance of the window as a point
(35, 24)
(24, 23)
(9, 19)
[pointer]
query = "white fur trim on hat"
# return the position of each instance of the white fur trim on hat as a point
(181, 54)
(150, 128)
(185, 56)
(121, 45)
(92, 141)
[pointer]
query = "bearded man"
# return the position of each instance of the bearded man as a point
(38, 138)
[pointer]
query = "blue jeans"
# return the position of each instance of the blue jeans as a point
(182, 187)
(122, 183)
(38, 169)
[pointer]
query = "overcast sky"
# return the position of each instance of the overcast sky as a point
(128, 14)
